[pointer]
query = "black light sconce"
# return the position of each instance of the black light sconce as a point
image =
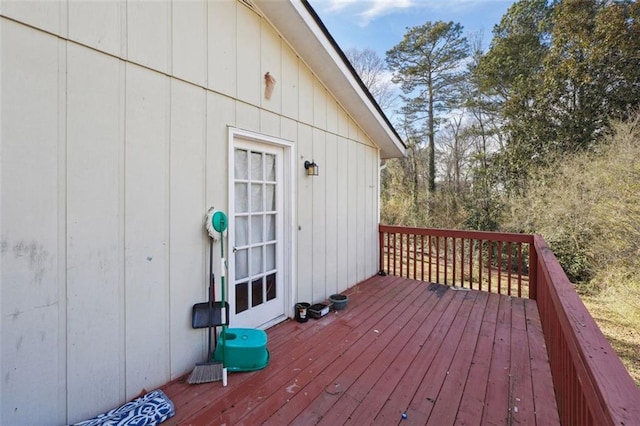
(311, 167)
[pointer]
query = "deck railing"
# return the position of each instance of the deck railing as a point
(487, 261)
(591, 384)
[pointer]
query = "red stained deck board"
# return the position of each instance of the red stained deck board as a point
(451, 393)
(545, 406)
(474, 394)
(427, 341)
(372, 389)
(497, 397)
(332, 402)
(521, 407)
(363, 338)
(288, 360)
(331, 378)
(337, 370)
(427, 394)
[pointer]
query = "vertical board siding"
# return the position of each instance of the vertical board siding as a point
(146, 234)
(288, 82)
(271, 62)
(48, 16)
(149, 34)
(248, 45)
(342, 219)
(305, 94)
(30, 303)
(304, 283)
(189, 41)
(95, 303)
(332, 215)
(98, 24)
(222, 48)
(118, 134)
(220, 111)
(186, 235)
(319, 217)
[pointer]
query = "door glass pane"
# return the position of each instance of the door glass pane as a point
(256, 292)
(241, 164)
(271, 286)
(242, 198)
(256, 261)
(270, 167)
(242, 264)
(269, 197)
(256, 166)
(270, 257)
(242, 297)
(270, 224)
(241, 231)
(256, 229)
(256, 197)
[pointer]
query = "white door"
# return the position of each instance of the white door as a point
(256, 272)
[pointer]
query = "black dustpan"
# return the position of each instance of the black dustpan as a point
(200, 315)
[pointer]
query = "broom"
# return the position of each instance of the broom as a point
(209, 371)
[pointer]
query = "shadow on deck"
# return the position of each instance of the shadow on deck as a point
(441, 356)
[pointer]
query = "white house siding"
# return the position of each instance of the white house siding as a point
(113, 145)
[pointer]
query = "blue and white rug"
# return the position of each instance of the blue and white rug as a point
(148, 410)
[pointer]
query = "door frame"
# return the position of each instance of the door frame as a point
(289, 252)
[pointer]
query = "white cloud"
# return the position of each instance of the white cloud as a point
(367, 10)
(382, 7)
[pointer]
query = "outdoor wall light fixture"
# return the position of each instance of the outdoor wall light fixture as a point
(311, 167)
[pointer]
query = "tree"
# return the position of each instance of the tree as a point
(508, 78)
(374, 74)
(592, 70)
(428, 65)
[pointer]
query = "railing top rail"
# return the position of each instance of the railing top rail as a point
(509, 237)
(617, 394)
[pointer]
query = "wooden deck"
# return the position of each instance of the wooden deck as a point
(441, 356)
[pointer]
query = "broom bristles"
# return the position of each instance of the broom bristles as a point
(206, 372)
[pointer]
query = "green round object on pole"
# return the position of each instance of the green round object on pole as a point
(219, 221)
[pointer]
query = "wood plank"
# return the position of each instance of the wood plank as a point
(497, 398)
(338, 375)
(441, 356)
(473, 397)
(289, 361)
(373, 390)
(331, 377)
(545, 406)
(427, 394)
(521, 406)
(282, 355)
(453, 387)
(429, 339)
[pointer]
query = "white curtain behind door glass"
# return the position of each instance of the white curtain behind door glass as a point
(256, 229)
(241, 227)
(270, 167)
(256, 166)
(241, 164)
(271, 227)
(270, 257)
(241, 197)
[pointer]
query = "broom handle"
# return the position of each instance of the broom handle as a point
(211, 289)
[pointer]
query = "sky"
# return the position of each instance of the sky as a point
(381, 24)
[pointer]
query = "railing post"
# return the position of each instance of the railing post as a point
(533, 271)
(380, 249)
